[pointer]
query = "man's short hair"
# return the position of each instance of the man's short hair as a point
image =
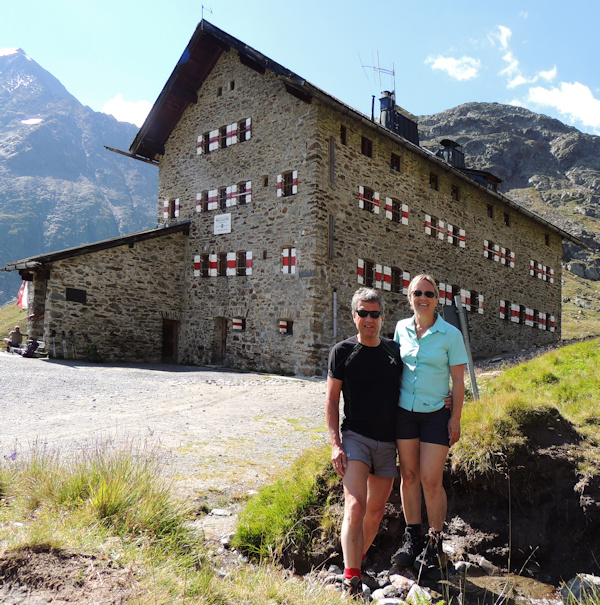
(366, 295)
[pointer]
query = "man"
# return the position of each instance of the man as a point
(366, 369)
(15, 338)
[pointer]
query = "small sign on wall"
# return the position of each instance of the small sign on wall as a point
(222, 223)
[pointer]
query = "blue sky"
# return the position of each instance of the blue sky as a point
(116, 56)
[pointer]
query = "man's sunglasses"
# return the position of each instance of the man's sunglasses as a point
(364, 313)
(428, 293)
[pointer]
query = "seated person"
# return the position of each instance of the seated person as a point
(31, 347)
(15, 338)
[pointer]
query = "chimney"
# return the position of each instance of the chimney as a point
(396, 119)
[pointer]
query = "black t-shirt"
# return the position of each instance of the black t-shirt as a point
(371, 386)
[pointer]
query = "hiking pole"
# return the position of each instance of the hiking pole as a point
(64, 345)
(53, 334)
(74, 348)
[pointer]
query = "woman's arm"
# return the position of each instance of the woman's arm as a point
(458, 396)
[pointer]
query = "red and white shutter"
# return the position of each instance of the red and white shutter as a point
(361, 271)
(486, 248)
(378, 276)
(545, 273)
(552, 323)
(532, 268)
(405, 282)
(294, 182)
(248, 192)
(539, 270)
(196, 265)
(198, 202)
(542, 322)
(361, 197)
(480, 304)
(465, 298)
(428, 224)
(442, 289)
(376, 203)
(388, 208)
(528, 317)
(279, 185)
(496, 252)
(289, 260)
(200, 144)
(231, 196)
(441, 230)
(514, 312)
(502, 309)
(404, 214)
(213, 137)
(503, 256)
(212, 265)
(249, 262)
(213, 199)
(462, 241)
(176, 207)
(238, 323)
(551, 275)
(450, 234)
(248, 129)
(449, 300)
(387, 278)
(512, 259)
(283, 326)
(232, 134)
(231, 257)
(166, 209)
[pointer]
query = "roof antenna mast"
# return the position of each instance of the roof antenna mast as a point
(380, 70)
(208, 9)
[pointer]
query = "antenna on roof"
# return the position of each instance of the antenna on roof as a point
(380, 70)
(208, 9)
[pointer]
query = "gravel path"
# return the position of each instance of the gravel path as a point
(220, 432)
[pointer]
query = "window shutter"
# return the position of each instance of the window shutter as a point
(503, 256)
(198, 202)
(388, 208)
(428, 224)
(213, 199)
(166, 209)
(552, 323)
(450, 234)
(294, 182)
(232, 135)
(480, 305)
(512, 259)
(197, 265)
(404, 214)
(231, 199)
(539, 270)
(237, 323)
(442, 289)
(361, 271)
(486, 248)
(212, 265)
(283, 326)
(387, 278)
(293, 260)
(532, 268)
(441, 229)
(378, 276)
(248, 128)
(449, 300)
(463, 238)
(200, 145)
(528, 317)
(361, 197)
(496, 252)
(514, 312)
(502, 309)
(249, 262)
(279, 185)
(545, 272)
(176, 207)
(376, 203)
(405, 282)
(231, 263)
(551, 275)
(248, 192)
(213, 144)
(542, 321)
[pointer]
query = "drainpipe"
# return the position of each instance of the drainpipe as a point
(335, 314)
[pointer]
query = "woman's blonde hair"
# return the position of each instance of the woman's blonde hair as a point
(422, 277)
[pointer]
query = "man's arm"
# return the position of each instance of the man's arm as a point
(332, 418)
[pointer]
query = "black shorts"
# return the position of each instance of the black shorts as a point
(429, 427)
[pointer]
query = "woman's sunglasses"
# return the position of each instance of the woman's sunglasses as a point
(428, 293)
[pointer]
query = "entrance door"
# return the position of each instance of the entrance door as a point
(223, 339)
(170, 330)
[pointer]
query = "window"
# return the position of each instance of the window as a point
(204, 265)
(265, 181)
(395, 162)
(219, 91)
(369, 274)
(505, 310)
(547, 239)
(396, 280)
(522, 314)
(232, 85)
(239, 324)
(366, 147)
(244, 129)
(243, 192)
(222, 137)
(222, 263)
(368, 199)
(433, 181)
(76, 295)
(287, 183)
(474, 301)
(288, 260)
(343, 138)
(432, 226)
(202, 201)
(286, 326)
(240, 263)
(396, 211)
(506, 219)
(222, 198)
(454, 192)
(490, 211)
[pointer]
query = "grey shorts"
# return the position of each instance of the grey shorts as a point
(379, 456)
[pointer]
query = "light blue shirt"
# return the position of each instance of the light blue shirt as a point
(427, 361)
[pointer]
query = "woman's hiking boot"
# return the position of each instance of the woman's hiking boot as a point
(412, 544)
(432, 556)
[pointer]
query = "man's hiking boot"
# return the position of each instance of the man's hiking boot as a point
(353, 586)
(432, 556)
(412, 544)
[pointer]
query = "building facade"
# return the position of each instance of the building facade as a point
(276, 201)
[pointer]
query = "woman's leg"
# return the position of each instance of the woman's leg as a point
(432, 463)
(410, 476)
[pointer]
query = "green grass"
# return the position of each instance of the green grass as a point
(11, 316)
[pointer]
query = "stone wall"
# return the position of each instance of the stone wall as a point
(128, 292)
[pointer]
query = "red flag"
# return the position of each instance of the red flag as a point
(23, 296)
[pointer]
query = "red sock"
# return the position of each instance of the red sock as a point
(350, 572)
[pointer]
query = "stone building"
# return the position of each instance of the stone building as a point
(276, 201)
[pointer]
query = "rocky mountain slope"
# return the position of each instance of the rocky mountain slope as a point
(549, 167)
(59, 186)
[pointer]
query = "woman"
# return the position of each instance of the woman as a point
(433, 351)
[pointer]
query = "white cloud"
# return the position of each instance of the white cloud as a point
(127, 111)
(573, 100)
(465, 68)
(548, 75)
(502, 36)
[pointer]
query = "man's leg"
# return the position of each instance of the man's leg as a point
(378, 493)
(433, 461)
(355, 505)
(410, 479)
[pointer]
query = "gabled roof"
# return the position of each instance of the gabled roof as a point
(34, 262)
